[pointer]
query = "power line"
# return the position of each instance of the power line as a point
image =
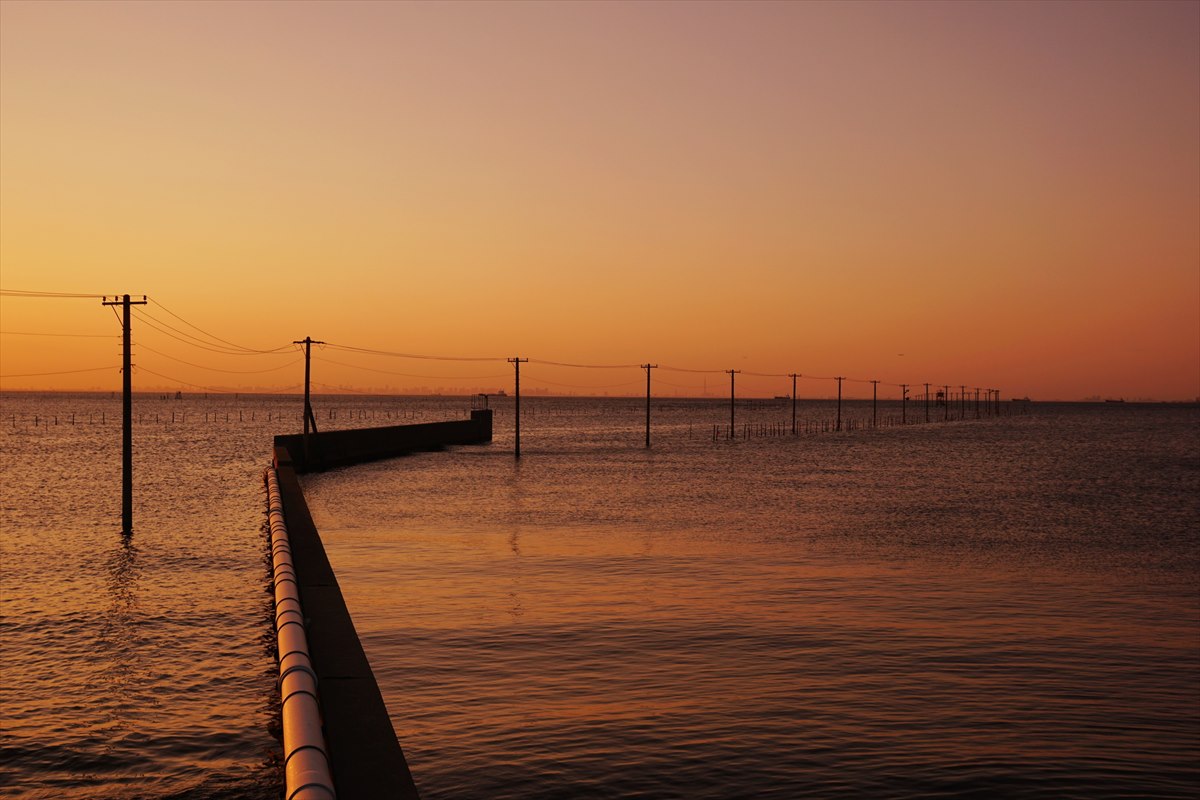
(410, 375)
(55, 295)
(582, 386)
(217, 369)
(236, 350)
(75, 335)
(193, 341)
(369, 351)
(62, 372)
(212, 336)
(217, 344)
(697, 371)
(585, 366)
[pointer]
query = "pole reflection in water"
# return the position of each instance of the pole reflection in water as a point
(121, 644)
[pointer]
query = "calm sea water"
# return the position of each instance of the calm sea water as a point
(978, 608)
(995, 608)
(144, 669)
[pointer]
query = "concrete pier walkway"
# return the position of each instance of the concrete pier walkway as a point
(365, 757)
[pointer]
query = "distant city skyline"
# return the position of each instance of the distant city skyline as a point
(1006, 194)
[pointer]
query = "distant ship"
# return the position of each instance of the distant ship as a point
(783, 397)
(1121, 400)
(500, 393)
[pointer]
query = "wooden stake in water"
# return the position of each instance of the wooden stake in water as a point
(126, 414)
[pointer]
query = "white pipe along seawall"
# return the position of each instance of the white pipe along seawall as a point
(306, 760)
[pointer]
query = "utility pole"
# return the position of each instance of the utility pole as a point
(126, 413)
(648, 366)
(516, 362)
(309, 417)
(976, 402)
(927, 402)
(962, 402)
(904, 404)
(839, 413)
(731, 372)
(793, 376)
(874, 404)
(946, 403)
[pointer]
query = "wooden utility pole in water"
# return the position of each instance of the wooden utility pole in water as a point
(793, 376)
(309, 417)
(126, 414)
(731, 372)
(516, 362)
(874, 404)
(648, 366)
(927, 402)
(839, 411)
(904, 404)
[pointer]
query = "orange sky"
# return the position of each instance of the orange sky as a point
(1008, 194)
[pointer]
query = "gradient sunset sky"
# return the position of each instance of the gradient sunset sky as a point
(1007, 194)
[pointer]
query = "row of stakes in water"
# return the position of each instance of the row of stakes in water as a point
(720, 431)
(180, 417)
(760, 430)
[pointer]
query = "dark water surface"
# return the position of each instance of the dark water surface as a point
(143, 669)
(1001, 607)
(994, 608)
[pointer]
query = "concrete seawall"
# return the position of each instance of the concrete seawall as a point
(364, 753)
(357, 445)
